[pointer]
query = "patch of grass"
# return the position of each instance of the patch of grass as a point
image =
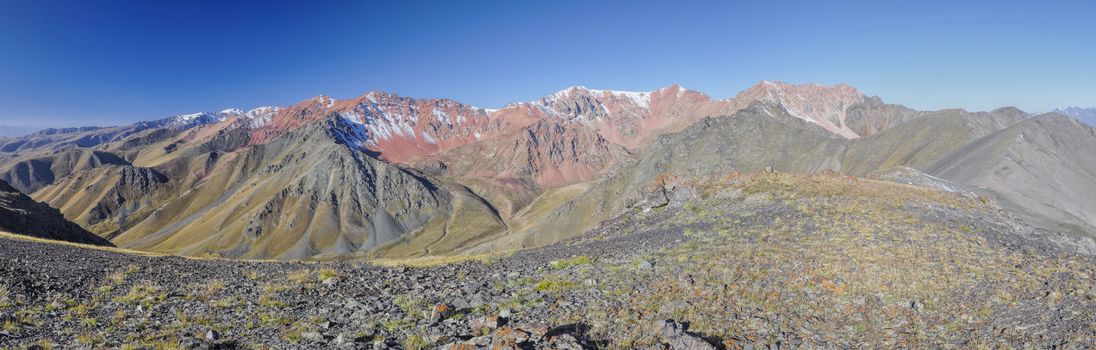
(45, 344)
(326, 273)
(292, 335)
(299, 276)
(276, 287)
(575, 261)
(552, 285)
(5, 297)
(267, 300)
(94, 341)
(224, 303)
(415, 342)
(273, 319)
(146, 294)
(411, 306)
(89, 322)
(213, 287)
(396, 325)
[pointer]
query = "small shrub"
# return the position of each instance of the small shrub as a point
(214, 287)
(415, 342)
(410, 306)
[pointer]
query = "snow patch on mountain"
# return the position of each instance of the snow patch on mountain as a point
(355, 134)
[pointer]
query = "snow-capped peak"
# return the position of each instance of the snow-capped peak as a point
(190, 117)
(188, 120)
(232, 111)
(261, 110)
(640, 98)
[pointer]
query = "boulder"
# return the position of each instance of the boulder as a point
(675, 335)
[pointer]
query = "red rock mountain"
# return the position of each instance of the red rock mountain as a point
(400, 128)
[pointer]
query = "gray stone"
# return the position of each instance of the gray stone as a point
(674, 334)
(313, 336)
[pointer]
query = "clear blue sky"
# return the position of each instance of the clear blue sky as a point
(77, 62)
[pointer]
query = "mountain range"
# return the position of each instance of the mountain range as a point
(383, 175)
(18, 130)
(1087, 115)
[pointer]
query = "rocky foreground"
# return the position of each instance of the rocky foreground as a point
(763, 261)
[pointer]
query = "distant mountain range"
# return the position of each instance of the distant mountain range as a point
(393, 176)
(18, 130)
(1087, 115)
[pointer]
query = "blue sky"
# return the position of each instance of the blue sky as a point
(75, 62)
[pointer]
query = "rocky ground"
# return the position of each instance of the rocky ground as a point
(763, 261)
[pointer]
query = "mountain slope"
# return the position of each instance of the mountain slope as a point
(1043, 166)
(22, 215)
(762, 135)
(511, 170)
(921, 141)
(309, 192)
